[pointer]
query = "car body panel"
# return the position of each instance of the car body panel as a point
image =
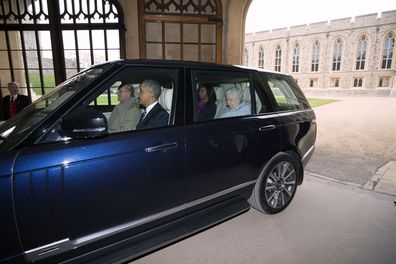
(224, 153)
(115, 197)
(80, 177)
(10, 248)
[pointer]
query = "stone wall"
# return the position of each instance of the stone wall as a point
(374, 26)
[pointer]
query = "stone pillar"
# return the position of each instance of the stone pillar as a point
(130, 9)
(17, 62)
(11, 41)
(234, 30)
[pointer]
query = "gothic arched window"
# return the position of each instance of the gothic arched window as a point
(361, 53)
(246, 57)
(315, 56)
(46, 41)
(337, 54)
(90, 32)
(389, 45)
(278, 58)
(296, 58)
(261, 58)
(357, 82)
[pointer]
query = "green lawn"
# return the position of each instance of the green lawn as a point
(102, 99)
(315, 102)
(49, 81)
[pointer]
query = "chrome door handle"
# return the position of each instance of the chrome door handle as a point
(162, 147)
(269, 127)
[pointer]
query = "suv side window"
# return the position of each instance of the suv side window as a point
(263, 102)
(221, 94)
(118, 100)
(285, 97)
(125, 91)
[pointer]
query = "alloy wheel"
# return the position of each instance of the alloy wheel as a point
(280, 184)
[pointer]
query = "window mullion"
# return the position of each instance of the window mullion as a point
(56, 41)
(36, 34)
(11, 63)
(25, 64)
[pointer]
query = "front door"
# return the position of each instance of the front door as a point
(76, 192)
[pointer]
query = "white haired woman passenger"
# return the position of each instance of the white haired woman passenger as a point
(236, 106)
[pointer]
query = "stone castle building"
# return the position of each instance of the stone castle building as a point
(337, 57)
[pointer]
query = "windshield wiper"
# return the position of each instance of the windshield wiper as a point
(5, 139)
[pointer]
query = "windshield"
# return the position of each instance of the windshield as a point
(23, 123)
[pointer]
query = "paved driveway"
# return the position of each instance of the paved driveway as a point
(356, 136)
(326, 223)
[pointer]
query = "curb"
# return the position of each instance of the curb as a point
(370, 185)
(332, 179)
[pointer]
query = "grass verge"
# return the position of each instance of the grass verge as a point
(315, 102)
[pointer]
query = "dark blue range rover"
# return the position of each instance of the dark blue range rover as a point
(74, 190)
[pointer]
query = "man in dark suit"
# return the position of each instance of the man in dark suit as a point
(14, 102)
(154, 115)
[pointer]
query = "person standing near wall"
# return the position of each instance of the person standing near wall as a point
(14, 102)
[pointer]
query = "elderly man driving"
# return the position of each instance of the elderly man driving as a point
(126, 114)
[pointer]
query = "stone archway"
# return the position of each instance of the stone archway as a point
(235, 18)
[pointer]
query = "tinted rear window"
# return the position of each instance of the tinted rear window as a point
(287, 94)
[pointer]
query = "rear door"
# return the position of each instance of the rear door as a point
(74, 193)
(296, 116)
(225, 154)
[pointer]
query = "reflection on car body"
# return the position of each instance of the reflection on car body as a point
(72, 192)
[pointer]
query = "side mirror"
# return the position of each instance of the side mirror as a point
(84, 123)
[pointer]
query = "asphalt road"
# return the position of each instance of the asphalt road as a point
(326, 223)
(356, 136)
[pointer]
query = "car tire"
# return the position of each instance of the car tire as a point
(276, 185)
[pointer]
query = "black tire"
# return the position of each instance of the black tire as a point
(276, 185)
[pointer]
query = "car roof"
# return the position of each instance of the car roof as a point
(192, 64)
(261, 70)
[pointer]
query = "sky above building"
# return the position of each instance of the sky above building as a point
(264, 15)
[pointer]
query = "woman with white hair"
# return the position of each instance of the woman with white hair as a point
(236, 106)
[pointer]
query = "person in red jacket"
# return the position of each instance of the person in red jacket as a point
(14, 102)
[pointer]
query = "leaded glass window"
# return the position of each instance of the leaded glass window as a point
(181, 30)
(296, 58)
(384, 81)
(389, 45)
(361, 53)
(358, 82)
(91, 33)
(278, 58)
(261, 58)
(246, 57)
(337, 55)
(44, 42)
(315, 56)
